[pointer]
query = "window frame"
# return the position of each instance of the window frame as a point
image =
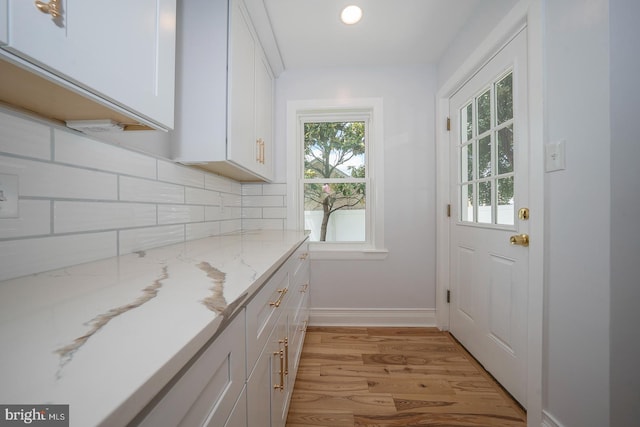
(369, 109)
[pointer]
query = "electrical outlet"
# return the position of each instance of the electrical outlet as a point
(8, 196)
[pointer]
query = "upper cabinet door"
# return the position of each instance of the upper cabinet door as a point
(264, 115)
(122, 50)
(242, 147)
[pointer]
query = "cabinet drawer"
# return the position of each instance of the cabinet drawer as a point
(209, 389)
(299, 262)
(263, 312)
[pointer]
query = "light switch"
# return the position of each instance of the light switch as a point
(8, 196)
(554, 156)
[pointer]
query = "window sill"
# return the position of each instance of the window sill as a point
(347, 254)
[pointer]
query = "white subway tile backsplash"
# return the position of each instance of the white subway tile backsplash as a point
(83, 151)
(234, 200)
(24, 137)
(218, 183)
(34, 219)
(230, 226)
(28, 256)
(177, 174)
(43, 179)
(140, 239)
(252, 189)
(213, 213)
(274, 189)
(82, 199)
(197, 196)
(251, 213)
(174, 214)
(263, 201)
(200, 230)
(262, 224)
(274, 213)
(143, 190)
(88, 216)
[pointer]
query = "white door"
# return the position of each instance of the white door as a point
(489, 187)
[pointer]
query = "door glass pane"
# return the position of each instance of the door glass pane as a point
(466, 161)
(484, 157)
(484, 112)
(466, 203)
(504, 99)
(505, 150)
(505, 201)
(467, 123)
(335, 212)
(484, 202)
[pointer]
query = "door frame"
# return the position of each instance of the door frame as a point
(527, 13)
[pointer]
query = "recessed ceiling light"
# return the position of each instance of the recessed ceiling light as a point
(351, 14)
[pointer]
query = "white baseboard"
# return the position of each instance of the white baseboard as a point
(407, 317)
(549, 421)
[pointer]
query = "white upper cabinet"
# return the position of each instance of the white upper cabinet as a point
(224, 107)
(121, 51)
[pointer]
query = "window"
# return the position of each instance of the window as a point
(486, 180)
(335, 181)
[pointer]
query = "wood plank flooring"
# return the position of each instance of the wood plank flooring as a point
(383, 377)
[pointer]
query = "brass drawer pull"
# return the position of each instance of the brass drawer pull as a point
(52, 8)
(281, 385)
(282, 293)
(286, 355)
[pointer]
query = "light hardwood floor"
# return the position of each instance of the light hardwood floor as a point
(395, 377)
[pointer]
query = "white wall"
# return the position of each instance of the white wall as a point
(405, 279)
(576, 384)
(625, 205)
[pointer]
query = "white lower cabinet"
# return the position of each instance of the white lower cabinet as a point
(238, 417)
(271, 379)
(245, 377)
(205, 395)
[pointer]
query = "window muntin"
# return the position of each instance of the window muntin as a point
(486, 150)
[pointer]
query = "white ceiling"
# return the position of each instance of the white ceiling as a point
(309, 33)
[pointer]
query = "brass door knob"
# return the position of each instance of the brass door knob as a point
(519, 239)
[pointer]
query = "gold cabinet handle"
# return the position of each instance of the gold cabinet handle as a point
(281, 385)
(304, 288)
(262, 151)
(258, 150)
(282, 293)
(286, 355)
(519, 239)
(52, 7)
(304, 255)
(304, 326)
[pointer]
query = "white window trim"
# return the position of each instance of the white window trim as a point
(374, 249)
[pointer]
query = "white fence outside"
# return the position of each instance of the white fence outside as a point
(344, 225)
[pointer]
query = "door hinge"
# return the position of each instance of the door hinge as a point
(448, 123)
(449, 211)
(448, 296)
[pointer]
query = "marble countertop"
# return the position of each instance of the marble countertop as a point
(106, 336)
